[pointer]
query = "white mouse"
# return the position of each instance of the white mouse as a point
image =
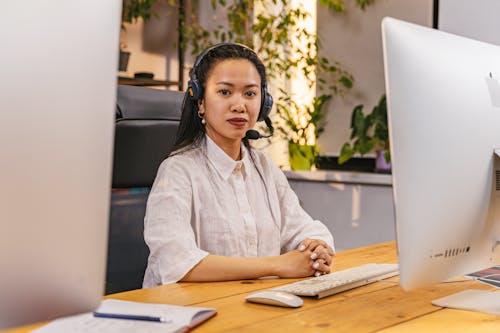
(275, 297)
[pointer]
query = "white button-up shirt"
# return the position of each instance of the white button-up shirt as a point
(203, 202)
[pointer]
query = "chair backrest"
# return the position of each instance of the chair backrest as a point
(146, 124)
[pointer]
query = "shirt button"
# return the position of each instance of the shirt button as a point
(237, 168)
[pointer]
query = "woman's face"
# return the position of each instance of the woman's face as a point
(231, 102)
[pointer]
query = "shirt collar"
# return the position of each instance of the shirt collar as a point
(224, 164)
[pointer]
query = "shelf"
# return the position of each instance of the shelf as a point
(144, 82)
(347, 177)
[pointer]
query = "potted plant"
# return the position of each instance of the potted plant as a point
(302, 124)
(369, 133)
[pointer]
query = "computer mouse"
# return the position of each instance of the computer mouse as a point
(275, 297)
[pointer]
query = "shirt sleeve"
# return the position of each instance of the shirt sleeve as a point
(296, 223)
(167, 228)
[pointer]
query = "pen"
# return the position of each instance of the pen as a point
(131, 317)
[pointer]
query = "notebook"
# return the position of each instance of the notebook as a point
(142, 317)
(490, 276)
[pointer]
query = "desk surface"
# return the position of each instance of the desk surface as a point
(379, 307)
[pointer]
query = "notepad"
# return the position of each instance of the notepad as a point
(175, 318)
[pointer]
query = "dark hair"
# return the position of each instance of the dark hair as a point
(191, 130)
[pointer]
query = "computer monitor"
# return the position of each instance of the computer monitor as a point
(58, 68)
(443, 98)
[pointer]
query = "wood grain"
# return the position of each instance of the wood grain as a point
(379, 307)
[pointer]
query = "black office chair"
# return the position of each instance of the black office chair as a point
(146, 124)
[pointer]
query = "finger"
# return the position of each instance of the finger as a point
(320, 265)
(317, 263)
(322, 271)
(318, 252)
(313, 244)
(327, 258)
(328, 248)
(321, 253)
(304, 244)
(316, 242)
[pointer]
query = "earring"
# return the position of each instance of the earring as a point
(201, 116)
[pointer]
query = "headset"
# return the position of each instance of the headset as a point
(195, 88)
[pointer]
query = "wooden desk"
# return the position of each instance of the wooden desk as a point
(379, 307)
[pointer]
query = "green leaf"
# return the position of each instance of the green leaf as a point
(358, 122)
(370, 132)
(346, 82)
(346, 153)
(387, 156)
(364, 146)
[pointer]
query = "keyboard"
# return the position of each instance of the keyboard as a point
(336, 282)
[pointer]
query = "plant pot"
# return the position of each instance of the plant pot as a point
(381, 164)
(123, 61)
(302, 157)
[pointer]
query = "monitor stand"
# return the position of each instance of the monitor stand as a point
(472, 299)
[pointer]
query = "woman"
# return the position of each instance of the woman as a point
(220, 210)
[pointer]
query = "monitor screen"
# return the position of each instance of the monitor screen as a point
(57, 100)
(443, 98)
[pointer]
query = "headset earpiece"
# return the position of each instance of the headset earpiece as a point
(193, 89)
(266, 104)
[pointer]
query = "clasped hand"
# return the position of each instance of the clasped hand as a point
(321, 255)
(312, 257)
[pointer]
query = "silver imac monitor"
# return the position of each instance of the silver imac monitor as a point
(443, 97)
(58, 70)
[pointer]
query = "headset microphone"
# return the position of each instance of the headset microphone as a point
(254, 135)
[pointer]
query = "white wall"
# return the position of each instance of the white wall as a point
(354, 39)
(477, 19)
